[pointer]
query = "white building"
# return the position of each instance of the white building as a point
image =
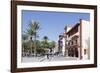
(85, 39)
(76, 40)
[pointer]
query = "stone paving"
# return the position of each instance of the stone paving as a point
(45, 59)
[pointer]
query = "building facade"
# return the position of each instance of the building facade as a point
(74, 42)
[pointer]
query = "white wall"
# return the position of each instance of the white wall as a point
(5, 37)
(85, 37)
(63, 48)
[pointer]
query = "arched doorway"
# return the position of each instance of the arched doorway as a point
(69, 52)
(72, 52)
(76, 52)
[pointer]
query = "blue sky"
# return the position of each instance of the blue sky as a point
(51, 23)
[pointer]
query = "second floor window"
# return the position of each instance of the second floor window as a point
(75, 41)
(68, 43)
(72, 42)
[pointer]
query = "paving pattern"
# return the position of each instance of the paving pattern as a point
(45, 59)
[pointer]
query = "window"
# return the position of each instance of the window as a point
(75, 41)
(84, 51)
(72, 42)
(69, 43)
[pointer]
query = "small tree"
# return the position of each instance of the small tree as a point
(52, 45)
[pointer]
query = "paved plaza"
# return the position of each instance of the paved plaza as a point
(45, 59)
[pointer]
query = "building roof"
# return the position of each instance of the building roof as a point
(73, 27)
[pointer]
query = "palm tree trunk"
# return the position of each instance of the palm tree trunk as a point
(31, 44)
(35, 45)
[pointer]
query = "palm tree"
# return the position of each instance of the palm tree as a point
(45, 44)
(32, 31)
(45, 38)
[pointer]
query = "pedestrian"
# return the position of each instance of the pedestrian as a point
(47, 56)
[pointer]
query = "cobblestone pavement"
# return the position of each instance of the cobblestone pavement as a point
(45, 59)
